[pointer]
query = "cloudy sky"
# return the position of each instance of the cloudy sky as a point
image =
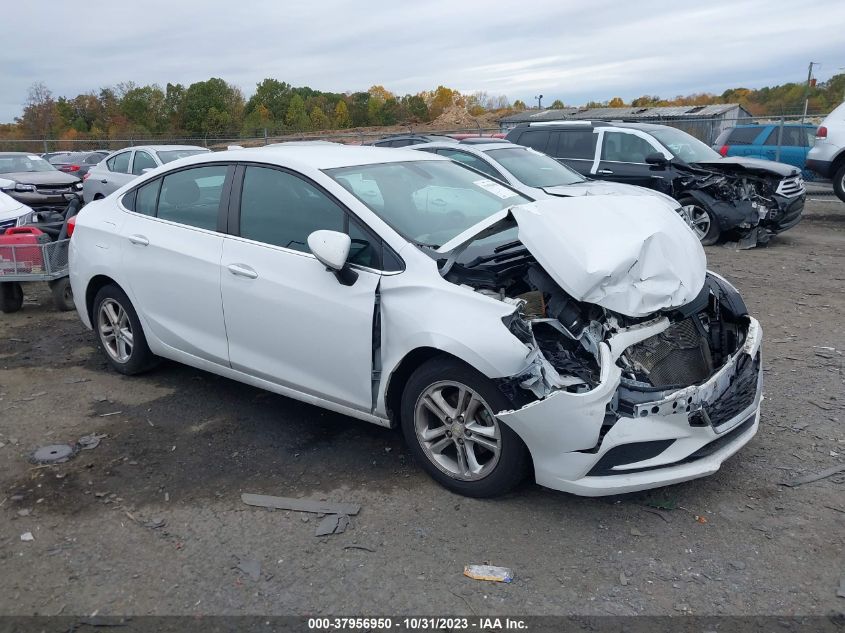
(570, 50)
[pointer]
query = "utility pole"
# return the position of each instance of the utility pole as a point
(539, 99)
(807, 88)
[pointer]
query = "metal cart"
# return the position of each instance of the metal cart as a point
(34, 262)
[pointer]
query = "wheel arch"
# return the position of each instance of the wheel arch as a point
(94, 286)
(837, 163)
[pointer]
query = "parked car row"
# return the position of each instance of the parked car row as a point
(579, 338)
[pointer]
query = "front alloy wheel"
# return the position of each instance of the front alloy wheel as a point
(448, 419)
(457, 430)
(701, 221)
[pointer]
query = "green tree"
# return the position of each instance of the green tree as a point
(341, 115)
(319, 120)
(296, 117)
(212, 107)
(557, 104)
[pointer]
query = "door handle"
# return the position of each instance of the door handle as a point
(605, 171)
(242, 270)
(140, 240)
(105, 182)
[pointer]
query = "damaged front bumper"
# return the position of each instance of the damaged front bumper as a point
(680, 436)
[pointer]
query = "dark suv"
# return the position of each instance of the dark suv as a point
(403, 140)
(749, 198)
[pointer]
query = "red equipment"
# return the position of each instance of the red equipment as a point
(20, 250)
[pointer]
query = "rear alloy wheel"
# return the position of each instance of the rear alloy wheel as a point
(839, 183)
(449, 423)
(701, 221)
(119, 332)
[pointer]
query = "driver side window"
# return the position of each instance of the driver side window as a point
(625, 148)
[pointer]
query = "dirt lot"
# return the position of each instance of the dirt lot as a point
(151, 521)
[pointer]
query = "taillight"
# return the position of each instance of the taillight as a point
(71, 224)
(73, 168)
(821, 132)
(724, 150)
(85, 176)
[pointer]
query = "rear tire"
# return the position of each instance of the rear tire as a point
(11, 297)
(706, 225)
(447, 418)
(119, 332)
(839, 183)
(62, 294)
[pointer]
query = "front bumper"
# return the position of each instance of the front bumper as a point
(660, 443)
(787, 215)
(39, 201)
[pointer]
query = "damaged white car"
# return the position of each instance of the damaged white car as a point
(580, 339)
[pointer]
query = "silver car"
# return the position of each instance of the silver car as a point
(123, 166)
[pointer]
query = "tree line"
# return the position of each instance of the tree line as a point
(216, 109)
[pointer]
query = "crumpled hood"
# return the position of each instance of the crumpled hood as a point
(735, 164)
(630, 254)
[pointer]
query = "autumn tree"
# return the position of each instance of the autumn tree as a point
(341, 115)
(519, 105)
(557, 104)
(39, 110)
(296, 117)
(319, 120)
(616, 102)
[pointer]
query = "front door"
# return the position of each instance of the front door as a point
(622, 159)
(288, 319)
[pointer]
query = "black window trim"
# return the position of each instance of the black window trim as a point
(234, 218)
(500, 177)
(222, 209)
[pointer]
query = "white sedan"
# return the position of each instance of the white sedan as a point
(580, 339)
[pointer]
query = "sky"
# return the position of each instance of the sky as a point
(572, 51)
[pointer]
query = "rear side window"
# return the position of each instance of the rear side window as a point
(192, 196)
(576, 144)
(535, 139)
(792, 136)
(119, 163)
(146, 198)
(93, 159)
(743, 135)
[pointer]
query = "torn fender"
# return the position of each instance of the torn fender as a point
(729, 214)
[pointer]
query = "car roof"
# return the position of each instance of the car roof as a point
(472, 148)
(317, 156)
(775, 124)
(574, 125)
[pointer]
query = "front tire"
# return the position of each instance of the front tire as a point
(447, 418)
(703, 223)
(119, 332)
(839, 183)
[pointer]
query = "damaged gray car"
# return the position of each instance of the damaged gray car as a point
(577, 339)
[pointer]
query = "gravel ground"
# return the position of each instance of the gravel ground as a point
(151, 522)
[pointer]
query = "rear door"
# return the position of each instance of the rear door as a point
(173, 245)
(288, 319)
(622, 159)
(793, 145)
(576, 149)
(118, 172)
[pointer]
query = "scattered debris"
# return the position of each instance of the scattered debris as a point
(737, 564)
(488, 572)
(700, 519)
(636, 532)
(89, 442)
(623, 579)
(53, 454)
(25, 512)
(105, 415)
(663, 504)
(332, 524)
(154, 524)
(250, 567)
(27, 536)
(361, 547)
(806, 479)
(74, 381)
(300, 505)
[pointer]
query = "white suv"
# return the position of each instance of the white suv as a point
(827, 156)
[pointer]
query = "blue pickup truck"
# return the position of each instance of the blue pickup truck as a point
(761, 141)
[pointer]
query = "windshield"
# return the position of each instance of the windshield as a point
(165, 156)
(688, 148)
(14, 163)
(533, 168)
(428, 202)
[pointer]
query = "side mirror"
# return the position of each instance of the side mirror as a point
(331, 249)
(657, 159)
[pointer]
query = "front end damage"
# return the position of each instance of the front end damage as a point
(610, 402)
(750, 202)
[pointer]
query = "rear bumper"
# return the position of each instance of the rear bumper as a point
(821, 167)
